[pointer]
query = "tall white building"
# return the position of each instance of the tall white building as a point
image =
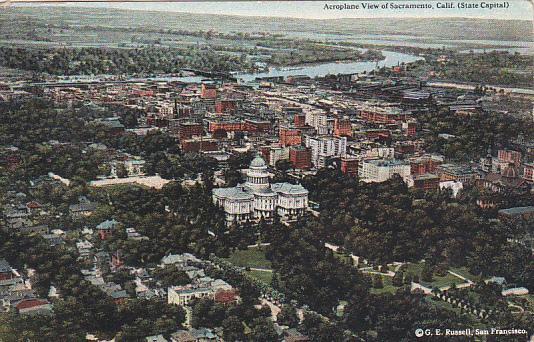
(324, 147)
(257, 198)
(379, 170)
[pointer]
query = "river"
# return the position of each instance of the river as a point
(323, 69)
(312, 70)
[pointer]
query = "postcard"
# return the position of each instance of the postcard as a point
(266, 171)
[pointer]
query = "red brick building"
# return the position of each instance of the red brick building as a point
(256, 125)
(409, 128)
(289, 136)
(384, 116)
(424, 164)
(378, 134)
(342, 128)
(265, 152)
(300, 157)
(426, 182)
(187, 130)
(510, 156)
(5, 270)
(229, 126)
(199, 145)
(208, 91)
(225, 106)
(528, 172)
(299, 120)
(349, 166)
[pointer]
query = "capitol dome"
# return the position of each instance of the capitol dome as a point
(258, 163)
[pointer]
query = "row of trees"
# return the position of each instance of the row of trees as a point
(96, 61)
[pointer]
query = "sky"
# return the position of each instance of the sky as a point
(518, 9)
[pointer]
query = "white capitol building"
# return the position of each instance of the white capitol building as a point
(257, 198)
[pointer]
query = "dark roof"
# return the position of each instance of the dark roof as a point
(4, 266)
(86, 206)
(517, 211)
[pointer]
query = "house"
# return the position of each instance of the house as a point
(156, 338)
(84, 248)
(226, 296)
(84, 207)
(516, 212)
(183, 336)
(34, 306)
(203, 335)
(183, 295)
(6, 272)
(106, 228)
(496, 280)
(53, 239)
(33, 207)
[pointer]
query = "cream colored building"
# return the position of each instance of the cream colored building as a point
(257, 198)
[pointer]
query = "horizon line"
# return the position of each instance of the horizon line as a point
(71, 4)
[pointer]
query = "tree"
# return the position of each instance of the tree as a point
(398, 278)
(378, 283)
(283, 165)
(263, 330)
(288, 316)
(233, 329)
(427, 272)
(121, 171)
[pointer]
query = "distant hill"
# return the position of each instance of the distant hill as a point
(448, 28)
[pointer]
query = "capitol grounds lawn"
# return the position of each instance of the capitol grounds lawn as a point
(252, 257)
(464, 272)
(344, 257)
(388, 287)
(437, 281)
(264, 276)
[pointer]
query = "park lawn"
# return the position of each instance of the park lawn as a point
(263, 276)
(437, 281)
(343, 257)
(388, 287)
(413, 268)
(464, 272)
(252, 257)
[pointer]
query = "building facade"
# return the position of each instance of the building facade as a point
(379, 170)
(325, 147)
(257, 198)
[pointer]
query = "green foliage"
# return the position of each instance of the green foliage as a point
(427, 272)
(94, 61)
(307, 269)
(378, 283)
(473, 135)
(171, 276)
(233, 329)
(262, 330)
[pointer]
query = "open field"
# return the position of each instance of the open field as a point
(264, 276)
(253, 257)
(437, 281)
(388, 287)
